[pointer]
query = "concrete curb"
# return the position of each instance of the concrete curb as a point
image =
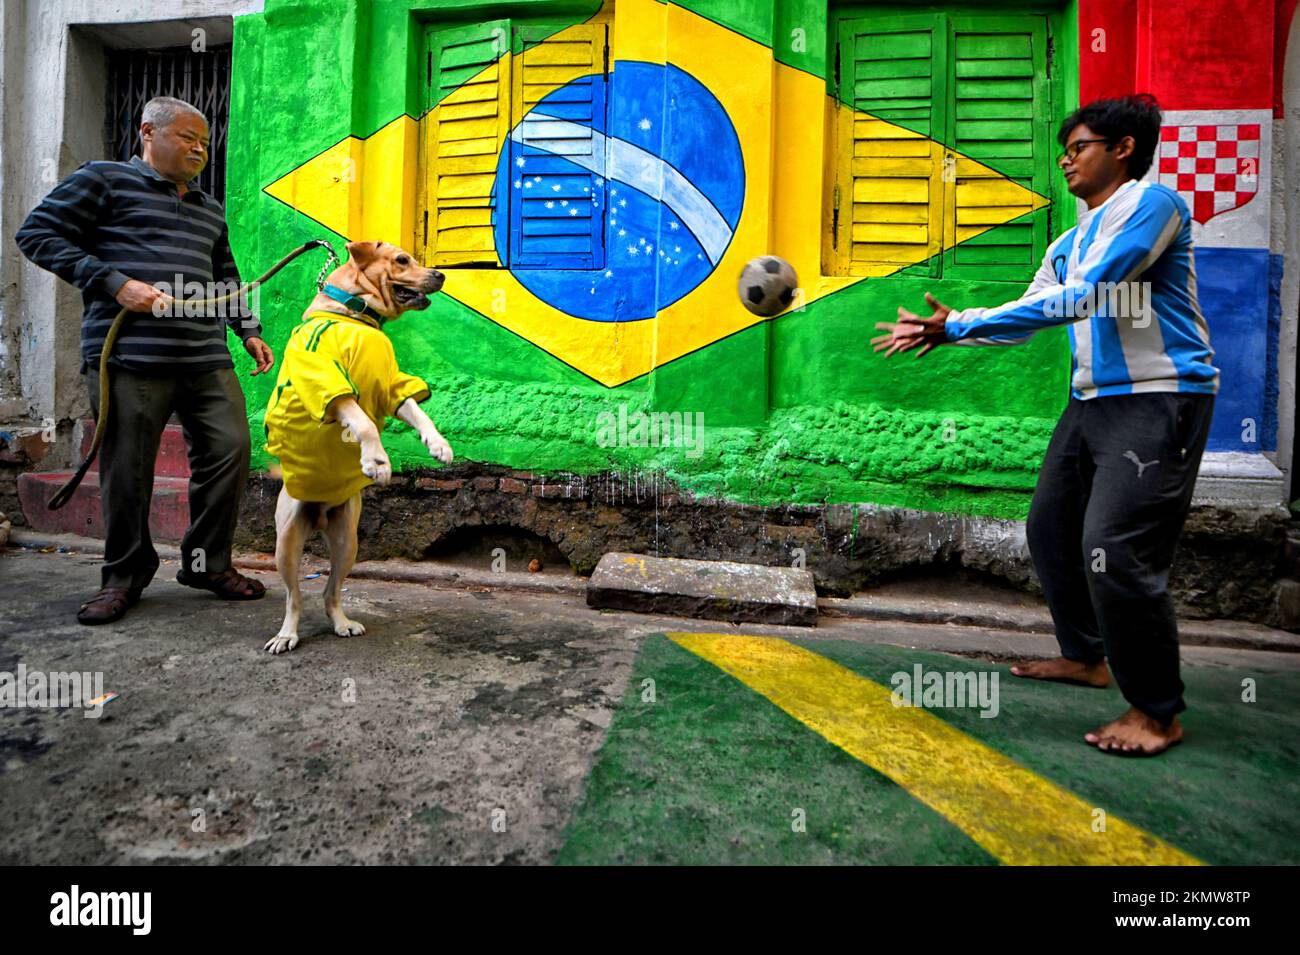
(1226, 634)
(394, 570)
(1223, 634)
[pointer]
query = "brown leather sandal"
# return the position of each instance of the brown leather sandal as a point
(110, 604)
(229, 584)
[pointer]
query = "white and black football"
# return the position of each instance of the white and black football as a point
(768, 285)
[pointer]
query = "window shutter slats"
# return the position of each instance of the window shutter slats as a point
(557, 220)
(892, 217)
(472, 93)
(999, 106)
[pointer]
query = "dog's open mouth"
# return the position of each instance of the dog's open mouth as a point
(409, 297)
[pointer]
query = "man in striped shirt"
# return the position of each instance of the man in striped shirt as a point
(1117, 480)
(137, 235)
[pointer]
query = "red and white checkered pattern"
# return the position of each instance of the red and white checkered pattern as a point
(1214, 167)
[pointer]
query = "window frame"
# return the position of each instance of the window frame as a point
(957, 17)
(432, 33)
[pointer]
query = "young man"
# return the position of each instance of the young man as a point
(1116, 483)
(116, 231)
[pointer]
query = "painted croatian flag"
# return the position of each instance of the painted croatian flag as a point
(1220, 162)
(1214, 167)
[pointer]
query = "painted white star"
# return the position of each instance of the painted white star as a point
(550, 204)
(528, 184)
(649, 248)
(674, 226)
(613, 191)
(622, 232)
(661, 253)
(564, 202)
(573, 212)
(555, 188)
(586, 188)
(632, 250)
(677, 248)
(600, 181)
(518, 183)
(642, 242)
(537, 178)
(622, 202)
(609, 274)
(520, 162)
(644, 124)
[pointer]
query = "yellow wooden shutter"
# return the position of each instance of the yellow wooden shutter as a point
(470, 85)
(889, 182)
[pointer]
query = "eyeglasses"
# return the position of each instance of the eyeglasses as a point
(1072, 151)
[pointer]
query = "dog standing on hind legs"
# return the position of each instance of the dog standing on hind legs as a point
(338, 383)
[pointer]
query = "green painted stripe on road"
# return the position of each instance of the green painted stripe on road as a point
(711, 771)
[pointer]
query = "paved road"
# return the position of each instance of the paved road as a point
(482, 727)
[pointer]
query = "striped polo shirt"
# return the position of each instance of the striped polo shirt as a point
(1124, 281)
(113, 221)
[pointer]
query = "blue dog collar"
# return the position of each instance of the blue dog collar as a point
(353, 303)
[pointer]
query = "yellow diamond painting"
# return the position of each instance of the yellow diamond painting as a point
(598, 190)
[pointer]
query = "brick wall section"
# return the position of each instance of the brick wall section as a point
(23, 452)
(1228, 563)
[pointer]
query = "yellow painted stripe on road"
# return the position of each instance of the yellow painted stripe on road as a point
(1015, 814)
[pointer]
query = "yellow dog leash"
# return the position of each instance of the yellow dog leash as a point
(64, 493)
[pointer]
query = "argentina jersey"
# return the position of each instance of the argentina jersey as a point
(1124, 282)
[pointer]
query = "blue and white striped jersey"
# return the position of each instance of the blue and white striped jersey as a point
(1124, 280)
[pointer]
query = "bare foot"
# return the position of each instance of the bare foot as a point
(1135, 734)
(1062, 670)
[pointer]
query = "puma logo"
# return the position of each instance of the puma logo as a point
(1132, 456)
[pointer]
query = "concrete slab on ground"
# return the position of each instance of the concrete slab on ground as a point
(712, 589)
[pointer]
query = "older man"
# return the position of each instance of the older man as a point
(118, 231)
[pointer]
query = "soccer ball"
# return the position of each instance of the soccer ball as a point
(767, 285)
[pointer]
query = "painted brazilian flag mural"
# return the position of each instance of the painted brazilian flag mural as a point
(592, 179)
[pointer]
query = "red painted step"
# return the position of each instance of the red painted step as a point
(168, 516)
(173, 456)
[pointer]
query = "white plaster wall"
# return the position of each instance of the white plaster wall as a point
(13, 63)
(1286, 239)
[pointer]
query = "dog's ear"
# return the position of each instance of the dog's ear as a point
(362, 253)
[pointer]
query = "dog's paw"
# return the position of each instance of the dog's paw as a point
(438, 447)
(349, 628)
(376, 466)
(281, 642)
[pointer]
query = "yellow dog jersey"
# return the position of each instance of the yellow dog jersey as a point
(329, 355)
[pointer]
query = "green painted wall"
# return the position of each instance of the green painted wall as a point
(962, 430)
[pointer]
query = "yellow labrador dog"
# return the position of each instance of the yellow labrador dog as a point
(338, 384)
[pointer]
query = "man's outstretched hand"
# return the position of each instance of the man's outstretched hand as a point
(912, 330)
